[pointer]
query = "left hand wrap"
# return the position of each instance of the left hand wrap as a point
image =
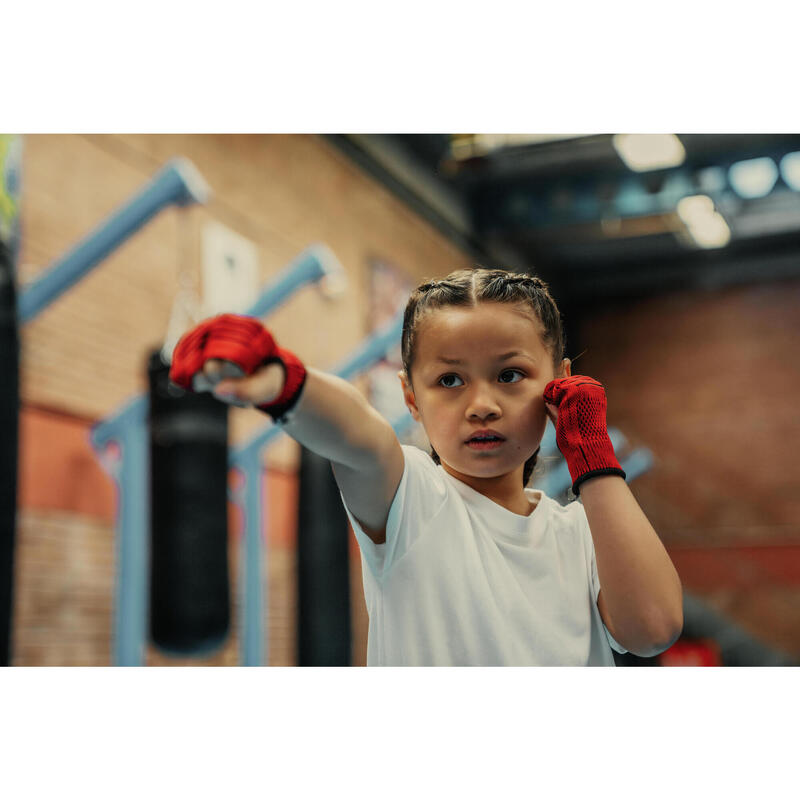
(245, 342)
(581, 433)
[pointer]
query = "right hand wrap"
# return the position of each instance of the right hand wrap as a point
(243, 341)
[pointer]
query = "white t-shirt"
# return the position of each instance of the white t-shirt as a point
(461, 580)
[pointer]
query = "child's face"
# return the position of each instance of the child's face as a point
(454, 401)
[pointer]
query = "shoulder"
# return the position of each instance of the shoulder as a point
(423, 481)
(569, 519)
(418, 457)
(568, 514)
(419, 461)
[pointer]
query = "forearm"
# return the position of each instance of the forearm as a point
(333, 419)
(640, 586)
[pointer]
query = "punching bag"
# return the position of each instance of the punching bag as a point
(323, 579)
(189, 581)
(9, 383)
(9, 411)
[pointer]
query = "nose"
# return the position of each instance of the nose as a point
(481, 404)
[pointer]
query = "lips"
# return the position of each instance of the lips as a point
(486, 434)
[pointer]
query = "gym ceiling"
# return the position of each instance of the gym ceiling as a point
(602, 215)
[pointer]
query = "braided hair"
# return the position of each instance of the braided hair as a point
(468, 287)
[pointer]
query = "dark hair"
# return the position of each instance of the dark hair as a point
(468, 287)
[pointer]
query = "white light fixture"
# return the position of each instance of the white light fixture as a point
(464, 146)
(694, 208)
(754, 177)
(706, 226)
(711, 179)
(711, 232)
(642, 152)
(790, 170)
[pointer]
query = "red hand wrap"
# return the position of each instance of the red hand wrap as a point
(581, 433)
(245, 342)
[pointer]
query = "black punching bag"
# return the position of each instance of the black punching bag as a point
(323, 580)
(10, 175)
(9, 412)
(189, 582)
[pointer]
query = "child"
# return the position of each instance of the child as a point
(462, 564)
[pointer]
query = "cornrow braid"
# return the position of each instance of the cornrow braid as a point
(444, 284)
(531, 280)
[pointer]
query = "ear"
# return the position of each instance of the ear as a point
(408, 395)
(566, 369)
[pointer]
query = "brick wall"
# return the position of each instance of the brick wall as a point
(709, 380)
(84, 356)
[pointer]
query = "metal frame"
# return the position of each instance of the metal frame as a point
(127, 432)
(246, 459)
(177, 183)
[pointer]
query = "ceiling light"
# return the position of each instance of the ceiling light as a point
(711, 179)
(754, 177)
(713, 231)
(696, 207)
(642, 152)
(475, 145)
(790, 170)
(706, 227)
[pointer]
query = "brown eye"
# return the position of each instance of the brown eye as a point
(448, 377)
(511, 372)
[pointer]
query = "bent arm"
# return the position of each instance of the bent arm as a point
(640, 600)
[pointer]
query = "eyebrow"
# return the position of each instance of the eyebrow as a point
(504, 357)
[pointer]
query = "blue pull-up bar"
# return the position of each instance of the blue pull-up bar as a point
(128, 428)
(247, 460)
(178, 182)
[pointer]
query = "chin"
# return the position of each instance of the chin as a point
(478, 467)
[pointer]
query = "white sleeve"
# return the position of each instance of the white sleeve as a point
(419, 496)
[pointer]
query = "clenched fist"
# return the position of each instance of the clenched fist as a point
(237, 358)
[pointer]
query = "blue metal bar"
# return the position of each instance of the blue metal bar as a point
(247, 459)
(178, 182)
(372, 350)
(128, 427)
(253, 650)
(637, 462)
(557, 480)
(402, 423)
(129, 431)
(316, 264)
(363, 358)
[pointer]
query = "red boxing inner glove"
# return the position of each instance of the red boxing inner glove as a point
(245, 342)
(581, 433)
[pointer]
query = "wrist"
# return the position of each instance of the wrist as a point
(293, 374)
(590, 458)
(274, 379)
(588, 477)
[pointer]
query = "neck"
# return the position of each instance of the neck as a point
(505, 490)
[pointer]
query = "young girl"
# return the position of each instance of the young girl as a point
(462, 564)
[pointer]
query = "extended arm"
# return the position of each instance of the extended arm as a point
(320, 411)
(333, 419)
